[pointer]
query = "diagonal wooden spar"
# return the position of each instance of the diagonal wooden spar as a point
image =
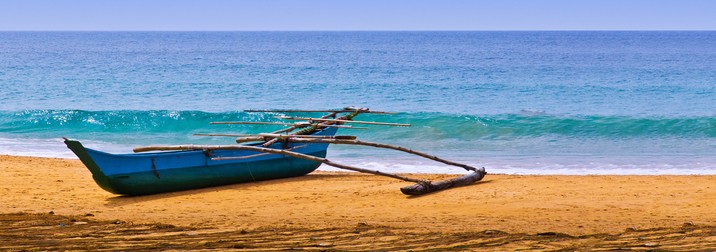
(384, 146)
(272, 151)
(342, 121)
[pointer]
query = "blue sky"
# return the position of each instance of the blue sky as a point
(318, 15)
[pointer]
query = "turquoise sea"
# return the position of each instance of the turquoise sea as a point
(513, 102)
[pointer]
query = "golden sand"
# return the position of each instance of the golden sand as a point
(349, 211)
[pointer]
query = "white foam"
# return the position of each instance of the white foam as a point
(519, 165)
(670, 165)
(35, 148)
(53, 147)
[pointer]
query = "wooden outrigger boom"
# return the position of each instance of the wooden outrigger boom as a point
(421, 187)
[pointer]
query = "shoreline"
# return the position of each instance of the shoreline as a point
(575, 205)
(531, 169)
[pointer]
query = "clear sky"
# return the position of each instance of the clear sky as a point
(319, 15)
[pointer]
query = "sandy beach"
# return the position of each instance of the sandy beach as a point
(54, 204)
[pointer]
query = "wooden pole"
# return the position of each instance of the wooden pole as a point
(345, 110)
(271, 135)
(255, 155)
(262, 123)
(341, 126)
(343, 121)
(220, 134)
(297, 125)
(250, 139)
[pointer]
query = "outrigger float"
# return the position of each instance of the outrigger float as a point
(290, 152)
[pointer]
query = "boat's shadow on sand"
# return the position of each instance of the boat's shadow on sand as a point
(122, 200)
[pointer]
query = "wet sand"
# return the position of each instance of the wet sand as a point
(57, 200)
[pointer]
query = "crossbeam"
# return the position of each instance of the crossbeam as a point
(298, 124)
(270, 135)
(342, 121)
(344, 110)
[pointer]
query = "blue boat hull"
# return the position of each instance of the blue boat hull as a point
(151, 173)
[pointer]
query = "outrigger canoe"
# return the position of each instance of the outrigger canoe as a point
(158, 172)
(158, 169)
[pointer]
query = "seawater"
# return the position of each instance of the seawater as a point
(513, 102)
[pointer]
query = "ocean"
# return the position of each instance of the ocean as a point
(562, 102)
